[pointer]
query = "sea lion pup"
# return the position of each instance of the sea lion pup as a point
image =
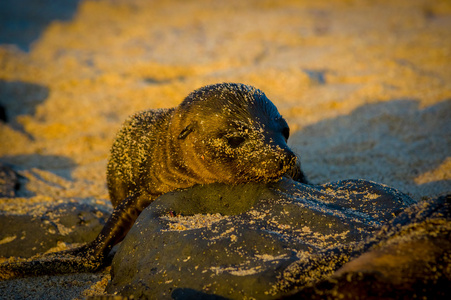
(229, 133)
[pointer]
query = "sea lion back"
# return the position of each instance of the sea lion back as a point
(133, 146)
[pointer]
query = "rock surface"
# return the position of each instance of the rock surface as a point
(24, 235)
(9, 182)
(236, 241)
(410, 259)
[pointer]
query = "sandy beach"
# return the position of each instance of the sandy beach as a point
(364, 85)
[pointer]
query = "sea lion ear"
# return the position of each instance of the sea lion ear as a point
(188, 129)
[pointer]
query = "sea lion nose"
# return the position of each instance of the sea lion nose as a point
(278, 143)
(286, 157)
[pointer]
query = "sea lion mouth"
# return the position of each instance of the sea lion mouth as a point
(267, 165)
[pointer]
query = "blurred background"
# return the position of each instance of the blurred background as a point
(364, 85)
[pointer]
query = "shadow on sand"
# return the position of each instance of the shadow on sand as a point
(22, 22)
(401, 139)
(20, 98)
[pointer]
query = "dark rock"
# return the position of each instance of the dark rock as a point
(9, 182)
(26, 235)
(244, 252)
(408, 260)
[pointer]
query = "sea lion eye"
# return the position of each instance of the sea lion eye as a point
(286, 133)
(185, 132)
(235, 141)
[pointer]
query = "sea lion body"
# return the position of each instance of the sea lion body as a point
(227, 133)
(198, 142)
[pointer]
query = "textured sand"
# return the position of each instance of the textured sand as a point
(364, 85)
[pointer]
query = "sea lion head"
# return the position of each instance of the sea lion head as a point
(233, 133)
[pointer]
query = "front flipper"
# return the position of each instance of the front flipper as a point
(50, 264)
(116, 228)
